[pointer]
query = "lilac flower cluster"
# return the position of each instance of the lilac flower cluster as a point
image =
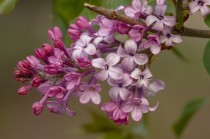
(59, 72)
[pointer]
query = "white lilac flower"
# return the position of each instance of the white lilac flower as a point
(142, 77)
(130, 55)
(108, 67)
(202, 5)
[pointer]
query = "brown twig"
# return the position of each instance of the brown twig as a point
(113, 15)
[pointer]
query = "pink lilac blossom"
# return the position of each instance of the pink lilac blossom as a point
(61, 73)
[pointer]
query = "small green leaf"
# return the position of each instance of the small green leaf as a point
(189, 111)
(206, 57)
(179, 54)
(207, 20)
(113, 4)
(65, 11)
(6, 6)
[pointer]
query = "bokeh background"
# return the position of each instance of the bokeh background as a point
(25, 29)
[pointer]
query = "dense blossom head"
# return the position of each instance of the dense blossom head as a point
(61, 73)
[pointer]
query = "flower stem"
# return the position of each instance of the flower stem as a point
(179, 15)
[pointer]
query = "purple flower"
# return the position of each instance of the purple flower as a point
(137, 107)
(154, 87)
(107, 67)
(131, 57)
(202, 5)
(143, 77)
(115, 113)
(90, 92)
(160, 20)
(169, 39)
(138, 8)
(55, 34)
(58, 58)
(137, 32)
(84, 47)
(107, 27)
(119, 87)
(57, 91)
(73, 79)
(153, 42)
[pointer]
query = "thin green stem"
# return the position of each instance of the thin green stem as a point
(179, 15)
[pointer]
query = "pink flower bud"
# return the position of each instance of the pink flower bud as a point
(39, 53)
(47, 49)
(37, 108)
(24, 90)
(52, 69)
(82, 22)
(122, 28)
(84, 62)
(36, 81)
(55, 34)
(24, 64)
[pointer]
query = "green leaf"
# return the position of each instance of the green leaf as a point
(207, 20)
(206, 57)
(189, 111)
(66, 11)
(100, 124)
(113, 4)
(6, 6)
(179, 54)
(88, 13)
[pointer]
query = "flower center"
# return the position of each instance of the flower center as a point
(136, 103)
(106, 67)
(131, 54)
(200, 3)
(92, 89)
(160, 17)
(120, 85)
(168, 35)
(141, 76)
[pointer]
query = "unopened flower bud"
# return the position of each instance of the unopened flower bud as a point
(39, 53)
(82, 22)
(55, 34)
(36, 81)
(122, 28)
(37, 108)
(47, 49)
(24, 90)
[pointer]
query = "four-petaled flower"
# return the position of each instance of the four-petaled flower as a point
(202, 5)
(108, 67)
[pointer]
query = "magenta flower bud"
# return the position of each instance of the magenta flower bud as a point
(74, 34)
(57, 91)
(52, 69)
(83, 62)
(122, 28)
(24, 90)
(37, 108)
(59, 44)
(74, 26)
(24, 64)
(47, 49)
(39, 53)
(36, 81)
(55, 34)
(82, 22)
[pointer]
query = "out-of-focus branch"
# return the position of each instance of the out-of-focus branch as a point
(113, 15)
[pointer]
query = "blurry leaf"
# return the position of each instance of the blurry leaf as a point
(65, 11)
(190, 109)
(117, 135)
(88, 13)
(141, 130)
(179, 54)
(113, 4)
(6, 6)
(206, 57)
(207, 20)
(100, 124)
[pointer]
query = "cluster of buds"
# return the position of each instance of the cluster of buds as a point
(59, 72)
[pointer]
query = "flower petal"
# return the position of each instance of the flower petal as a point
(85, 97)
(121, 52)
(102, 75)
(95, 97)
(136, 114)
(128, 63)
(130, 46)
(114, 92)
(98, 63)
(115, 73)
(155, 49)
(129, 11)
(151, 19)
(136, 73)
(112, 82)
(124, 93)
(141, 59)
(90, 49)
(112, 59)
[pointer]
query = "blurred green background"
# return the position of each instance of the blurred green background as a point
(25, 29)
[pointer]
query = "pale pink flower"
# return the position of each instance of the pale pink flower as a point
(108, 67)
(202, 5)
